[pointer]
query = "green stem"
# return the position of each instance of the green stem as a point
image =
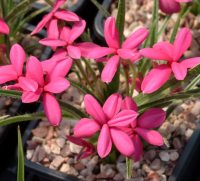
(128, 168)
(184, 11)
(164, 25)
(134, 73)
(126, 73)
(81, 69)
(90, 69)
(71, 109)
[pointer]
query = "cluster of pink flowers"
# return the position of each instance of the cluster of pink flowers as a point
(40, 79)
(117, 121)
(119, 124)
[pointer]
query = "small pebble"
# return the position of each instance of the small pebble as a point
(164, 156)
(174, 156)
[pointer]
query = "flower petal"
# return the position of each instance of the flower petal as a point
(52, 42)
(151, 136)
(183, 1)
(104, 144)
(66, 15)
(74, 52)
(60, 69)
(138, 147)
(126, 53)
(135, 39)
(65, 33)
(86, 128)
(77, 29)
(110, 69)
(94, 109)
(169, 6)
(155, 54)
(165, 48)
(182, 42)
(112, 105)
(191, 62)
(34, 70)
(50, 103)
(152, 118)
(42, 23)
(29, 97)
(122, 142)
(28, 84)
(52, 29)
(57, 86)
(4, 29)
(123, 118)
(129, 103)
(17, 58)
(93, 51)
(179, 71)
(153, 82)
(111, 33)
(7, 73)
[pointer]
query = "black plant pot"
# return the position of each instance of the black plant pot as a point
(188, 166)
(36, 172)
(98, 30)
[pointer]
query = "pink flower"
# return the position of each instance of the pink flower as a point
(128, 50)
(142, 127)
(51, 19)
(67, 38)
(171, 6)
(4, 29)
(171, 54)
(15, 69)
(35, 85)
(87, 150)
(108, 120)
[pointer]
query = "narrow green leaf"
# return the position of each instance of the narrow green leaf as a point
(18, 9)
(183, 12)
(15, 94)
(20, 118)
(20, 168)
(167, 100)
(100, 8)
(71, 109)
(166, 89)
(121, 18)
(10, 93)
(193, 83)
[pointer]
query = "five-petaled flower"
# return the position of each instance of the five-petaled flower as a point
(171, 53)
(142, 127)
(108, 120)
(51, 20)
(128, 49)
(39, 83)
(66, 39)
